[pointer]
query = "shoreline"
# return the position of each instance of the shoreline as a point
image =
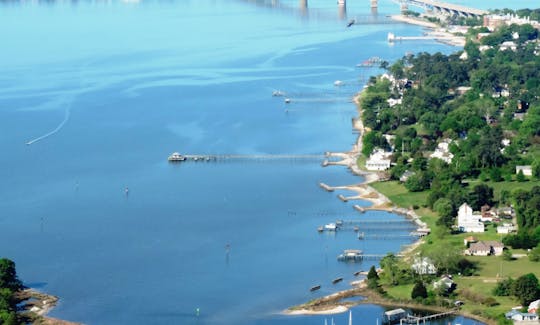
(36, 305)
(437, 32)
(330, 304)
(333, 304)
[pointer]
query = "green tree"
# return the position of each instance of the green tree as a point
(8, 275)
(507, 255)
(504, 287)
(372, 274)
(526, 288)
(480, 195)
(534, 254)
(520, 177)
(419, 290)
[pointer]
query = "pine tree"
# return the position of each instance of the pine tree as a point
(419, 290)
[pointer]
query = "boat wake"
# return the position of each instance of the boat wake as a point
(56, 130)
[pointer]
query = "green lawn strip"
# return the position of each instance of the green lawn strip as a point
(399, 195)
(400, 292)
(361, 162)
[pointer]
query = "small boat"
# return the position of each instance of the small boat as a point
(336, 280)
(287, 100)
(175, 156)
(351, 22)
(330, 227)
(315, 288)
(356, 228)
(338, 83)
(278, 93)
(320, 229)
(357, 273)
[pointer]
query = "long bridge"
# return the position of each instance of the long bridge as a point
(443, 7)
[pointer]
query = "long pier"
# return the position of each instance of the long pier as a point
(222, 157)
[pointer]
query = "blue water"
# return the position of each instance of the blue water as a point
(105, 91)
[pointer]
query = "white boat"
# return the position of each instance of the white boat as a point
(330, 226)
(175, 156)
(338, 83)
(278, 93)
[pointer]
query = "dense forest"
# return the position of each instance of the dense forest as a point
(484, 102)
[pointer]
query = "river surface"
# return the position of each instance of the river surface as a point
(95, 95)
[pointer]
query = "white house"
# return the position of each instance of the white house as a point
(508, 45)
(378, 160)
(517, 316)
(442, 151)
(467, 221)
(506, 228)
(423, 265)
(446, 282)
(526, 170)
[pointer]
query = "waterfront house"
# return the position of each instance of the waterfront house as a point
(393, 316)
(467, 221)
(526, 170)
(423, 265)
(534, 306)
(379, 160)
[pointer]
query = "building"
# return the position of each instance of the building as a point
(534, 306)
(423, 265)
(485, 248)
(526, 170)
(506, 228)
(445, 282)
(521, 317)
(379, 160)
(467, 221)
(508, 45)
(405, 176)
(469, 240)
(442, 152)
(393, 316)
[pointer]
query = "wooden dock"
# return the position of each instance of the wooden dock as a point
(411, 319)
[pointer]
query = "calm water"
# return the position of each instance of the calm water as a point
(105, 91)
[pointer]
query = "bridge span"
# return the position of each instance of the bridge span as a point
(443, 7)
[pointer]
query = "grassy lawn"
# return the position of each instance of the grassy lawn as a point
(509, 186)
(402, 292)
(490, 268)
(399, 195)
